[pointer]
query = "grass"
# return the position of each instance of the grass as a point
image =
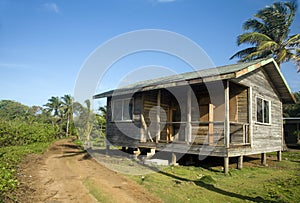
(96, 192)
(9, 158)
(280, 182)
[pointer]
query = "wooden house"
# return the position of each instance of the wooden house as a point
(228, 111)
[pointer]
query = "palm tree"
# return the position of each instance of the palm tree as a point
(54, 106)
(269, 34)
(67, 102)
(103, 111)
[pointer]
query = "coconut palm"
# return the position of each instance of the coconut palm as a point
(54, 106)
(269, 34)
(67, 102)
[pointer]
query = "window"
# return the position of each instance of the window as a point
(122, 110)
(262, 110)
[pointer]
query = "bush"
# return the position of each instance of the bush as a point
(22, 133)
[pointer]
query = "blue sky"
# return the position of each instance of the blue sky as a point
(43, 44)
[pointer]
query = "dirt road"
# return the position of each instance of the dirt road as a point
(67, 174)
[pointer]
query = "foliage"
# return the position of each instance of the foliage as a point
(21, 125)
(292, 110)
(11, 110)
(269, 34)
(9, 159)
(90, 126)
(17, 132)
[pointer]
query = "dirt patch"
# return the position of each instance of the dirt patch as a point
(65, 173)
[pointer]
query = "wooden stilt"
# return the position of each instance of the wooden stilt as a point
(240, 162)
(226, 165)
(174, 160)
(279, 156)
(264, 159)
(107, 149)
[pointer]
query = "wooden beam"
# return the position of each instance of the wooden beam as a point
(188, 131)
(158, 116)
(250, 100)
(226, 121)
(210, 125)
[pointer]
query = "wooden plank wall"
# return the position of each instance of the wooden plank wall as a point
(266, 137)
(124, 133)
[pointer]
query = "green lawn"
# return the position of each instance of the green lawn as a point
(279, 182)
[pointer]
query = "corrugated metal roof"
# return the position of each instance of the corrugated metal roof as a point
(211, 74)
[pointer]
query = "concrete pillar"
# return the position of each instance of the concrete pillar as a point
(279, 156)
(226, 165)
(240, 162)
(264, 159)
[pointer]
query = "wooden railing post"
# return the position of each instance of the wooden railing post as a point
(158, 116)
(188, 133)
(226, 122)
(211, 124)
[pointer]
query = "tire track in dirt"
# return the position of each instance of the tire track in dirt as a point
(67, 174)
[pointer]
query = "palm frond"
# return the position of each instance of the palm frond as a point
(293, 6)
(243, 53)
(256, 55)
(268, 45)
(252, 38)
(254, 25)
(293, 41)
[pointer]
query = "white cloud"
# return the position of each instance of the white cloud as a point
(52, 7)
(13, 66)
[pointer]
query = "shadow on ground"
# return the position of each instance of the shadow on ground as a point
(211, 187)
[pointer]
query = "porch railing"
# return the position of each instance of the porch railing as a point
(211, 133)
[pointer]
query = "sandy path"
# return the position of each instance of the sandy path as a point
(66, 174)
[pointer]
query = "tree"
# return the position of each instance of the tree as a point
(292, 110)
(101, 119)
(67, 102)
(269, 35)
(54, 107)
(11, 110)
(84, 120)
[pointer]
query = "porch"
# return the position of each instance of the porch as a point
(194, 117)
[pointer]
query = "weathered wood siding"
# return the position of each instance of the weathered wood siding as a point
(265, 137)
(124, 133)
